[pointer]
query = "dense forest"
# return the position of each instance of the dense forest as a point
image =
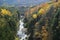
(42, 21)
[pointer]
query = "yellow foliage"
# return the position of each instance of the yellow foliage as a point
(41, 11)
(37, 34)
(5, 12)
(34, 16)
(56, 4)
(44, 9)
(16, 38)
(44, 33)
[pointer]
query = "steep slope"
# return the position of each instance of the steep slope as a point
(44, 26)
(34, 9)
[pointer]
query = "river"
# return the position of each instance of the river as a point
(22, 31)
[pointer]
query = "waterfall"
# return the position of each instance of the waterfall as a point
(22, 31)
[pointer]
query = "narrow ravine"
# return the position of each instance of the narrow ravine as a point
(22, 31)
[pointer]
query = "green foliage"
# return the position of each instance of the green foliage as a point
(8, 25)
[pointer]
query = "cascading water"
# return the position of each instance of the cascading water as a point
(22, 31)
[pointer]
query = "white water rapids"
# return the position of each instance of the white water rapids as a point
(22, 31)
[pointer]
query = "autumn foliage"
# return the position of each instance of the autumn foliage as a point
(47, 18)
